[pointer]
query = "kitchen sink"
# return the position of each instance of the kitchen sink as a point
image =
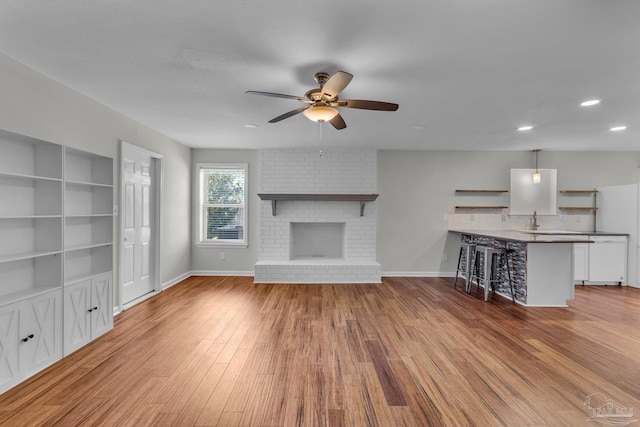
(551, 232)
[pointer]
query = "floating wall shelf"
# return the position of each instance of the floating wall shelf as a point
(482, 207)
(362, 198)
(482, 191)
(577, 208)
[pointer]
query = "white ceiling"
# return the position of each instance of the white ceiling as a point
(466, 73)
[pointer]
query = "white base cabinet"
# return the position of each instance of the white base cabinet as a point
(30, 337)
(88, 311)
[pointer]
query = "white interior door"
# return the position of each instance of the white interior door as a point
(137, 219)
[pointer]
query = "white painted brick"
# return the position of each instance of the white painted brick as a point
(339, 170)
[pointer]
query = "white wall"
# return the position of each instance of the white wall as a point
(417, 187)
(206, 260)
(34, 105)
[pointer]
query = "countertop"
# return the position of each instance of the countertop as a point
(522, 236)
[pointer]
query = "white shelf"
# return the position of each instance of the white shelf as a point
(72, 248)
(82, 232)
(23, 156)
(88, 200)
(3, 217)
(34, 236)
(88, 184)
(87, 262)
(23, 294)
(29, 276)
(85, 276)
(85, 168)
(27, 255)
(30, 197)
(23, 177)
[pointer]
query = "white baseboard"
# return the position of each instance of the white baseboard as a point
(220, 273)
(418, 274)
(175, 280)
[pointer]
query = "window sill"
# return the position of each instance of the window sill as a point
(222, 245)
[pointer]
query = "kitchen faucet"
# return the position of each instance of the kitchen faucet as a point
(534, 224)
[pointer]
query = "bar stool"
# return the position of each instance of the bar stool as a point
(491, 258)
(469, 251)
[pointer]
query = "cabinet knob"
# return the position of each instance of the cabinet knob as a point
(27, 338)
(95, 308)
(90, 310)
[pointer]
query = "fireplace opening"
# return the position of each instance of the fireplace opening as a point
(317, 240)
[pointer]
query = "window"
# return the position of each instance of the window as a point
(222, 204)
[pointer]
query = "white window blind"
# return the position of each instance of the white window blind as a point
(222, 204)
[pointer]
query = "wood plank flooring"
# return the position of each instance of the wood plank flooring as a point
(215, 351)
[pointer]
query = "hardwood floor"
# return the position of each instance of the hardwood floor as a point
(216, 351)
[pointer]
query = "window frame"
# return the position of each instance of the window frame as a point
(229, 243)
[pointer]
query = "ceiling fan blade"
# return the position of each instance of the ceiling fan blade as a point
(279, 95)
(338, 122)
(364, 104)
(287, 115)
(336, 84)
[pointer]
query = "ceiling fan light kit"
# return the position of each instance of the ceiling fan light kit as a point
(322, 102)
(320, 113)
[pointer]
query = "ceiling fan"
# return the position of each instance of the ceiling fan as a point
(322, 102)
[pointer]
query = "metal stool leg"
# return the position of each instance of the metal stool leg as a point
(458, 267)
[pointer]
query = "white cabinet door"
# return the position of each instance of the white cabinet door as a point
(580, 262)
(9, 342)
(101, 305)
(88, 311)
(30, 333)
(77, 322)
(41, 327)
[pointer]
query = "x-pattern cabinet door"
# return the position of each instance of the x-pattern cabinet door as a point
(9, 340)
(40, 326)
(77, 320)
(102, 314)
(88, 311)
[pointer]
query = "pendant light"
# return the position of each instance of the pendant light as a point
(536, 175)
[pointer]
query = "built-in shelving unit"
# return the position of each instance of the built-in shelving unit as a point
(47, 244)
(274, 198)
(88, 219)
(483, 192)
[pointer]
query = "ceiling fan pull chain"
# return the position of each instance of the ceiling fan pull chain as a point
(320, 124)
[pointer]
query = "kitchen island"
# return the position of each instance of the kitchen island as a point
(541, 264)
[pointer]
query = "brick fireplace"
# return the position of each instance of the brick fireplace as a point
(337, 238)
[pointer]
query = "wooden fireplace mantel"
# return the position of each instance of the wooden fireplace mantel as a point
(362, 198)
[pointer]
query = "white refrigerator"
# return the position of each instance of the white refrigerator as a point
(619, 212)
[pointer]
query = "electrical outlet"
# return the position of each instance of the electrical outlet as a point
(223, 256)
(504, 218)
(444, 257)
(472, 217)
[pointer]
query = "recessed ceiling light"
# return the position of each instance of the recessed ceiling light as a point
(617, 128)
(251, 126)
(417, 127)
(525, 128)
(590, 103)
